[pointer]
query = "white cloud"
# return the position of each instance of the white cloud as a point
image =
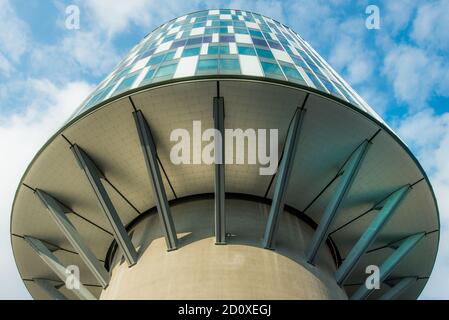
(78, 52)
(5, 66)
(397, 15)
(14, 32)
(351, 57)
(416, 74)
(431, 25)
(115, 16)
(21, 136)
(428, 134)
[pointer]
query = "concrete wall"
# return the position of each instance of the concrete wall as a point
(242, 269)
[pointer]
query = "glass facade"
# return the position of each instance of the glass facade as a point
(231, 42)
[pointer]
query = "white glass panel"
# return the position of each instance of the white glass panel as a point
(250, 65)
(186, 67)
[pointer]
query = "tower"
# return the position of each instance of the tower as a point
(105, 197)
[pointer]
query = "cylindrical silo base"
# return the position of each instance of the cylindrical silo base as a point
(241, 269)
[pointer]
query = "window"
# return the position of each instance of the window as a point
(207, 66)
(207, 39)
(147, 53)
(178, 44)
(259, 42)
(271, 68)
(191, 52)
(168, 38)
(255, 33)
(227, 38)
(166, 70)
(229, 65)
(275, 45)
(267, 36)
(224, 49)
(126, 83)
(240, 31)
(148, 77)
(194, 41)
(169, 56)
(156, 59)
(264, 53)
(213, 50)
(246, 50)
(292, 73)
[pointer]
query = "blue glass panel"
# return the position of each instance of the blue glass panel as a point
(298, 61)
(225, 23)
(166, 70)
(265, 28)
(201, 19)
(246, 50)
(255, 33)
(207, 39)
(126, 83)
(239, 24)
(178, 44)
(229, 64)
(147, 53)
(188, 52)
(275, 45)
(264, 53)
(224, 49)
(315, 81)
(194, 41)
(213, 50)
(259, 42)
(208, 65)
(156, 59)
(267, 36)
(240, 31)
(271, 68)
(227, 38)
(148, 77)
(211, 30)
(292, 73)
(199, 25)
(171, 37)
(169, 56)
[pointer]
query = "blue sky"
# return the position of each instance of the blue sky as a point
(46, 70)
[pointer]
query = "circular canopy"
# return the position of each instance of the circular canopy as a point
(331, 131)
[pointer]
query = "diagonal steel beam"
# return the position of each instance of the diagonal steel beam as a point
(94, 176)
(346, 180)
(282, 180)
(58, 213)
(219, 182)
(370, 234)
(390, 263)
(150, 155)
(53, 262)
(399, 288)
(50, 289)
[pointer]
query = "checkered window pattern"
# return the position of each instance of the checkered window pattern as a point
(215, 42)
